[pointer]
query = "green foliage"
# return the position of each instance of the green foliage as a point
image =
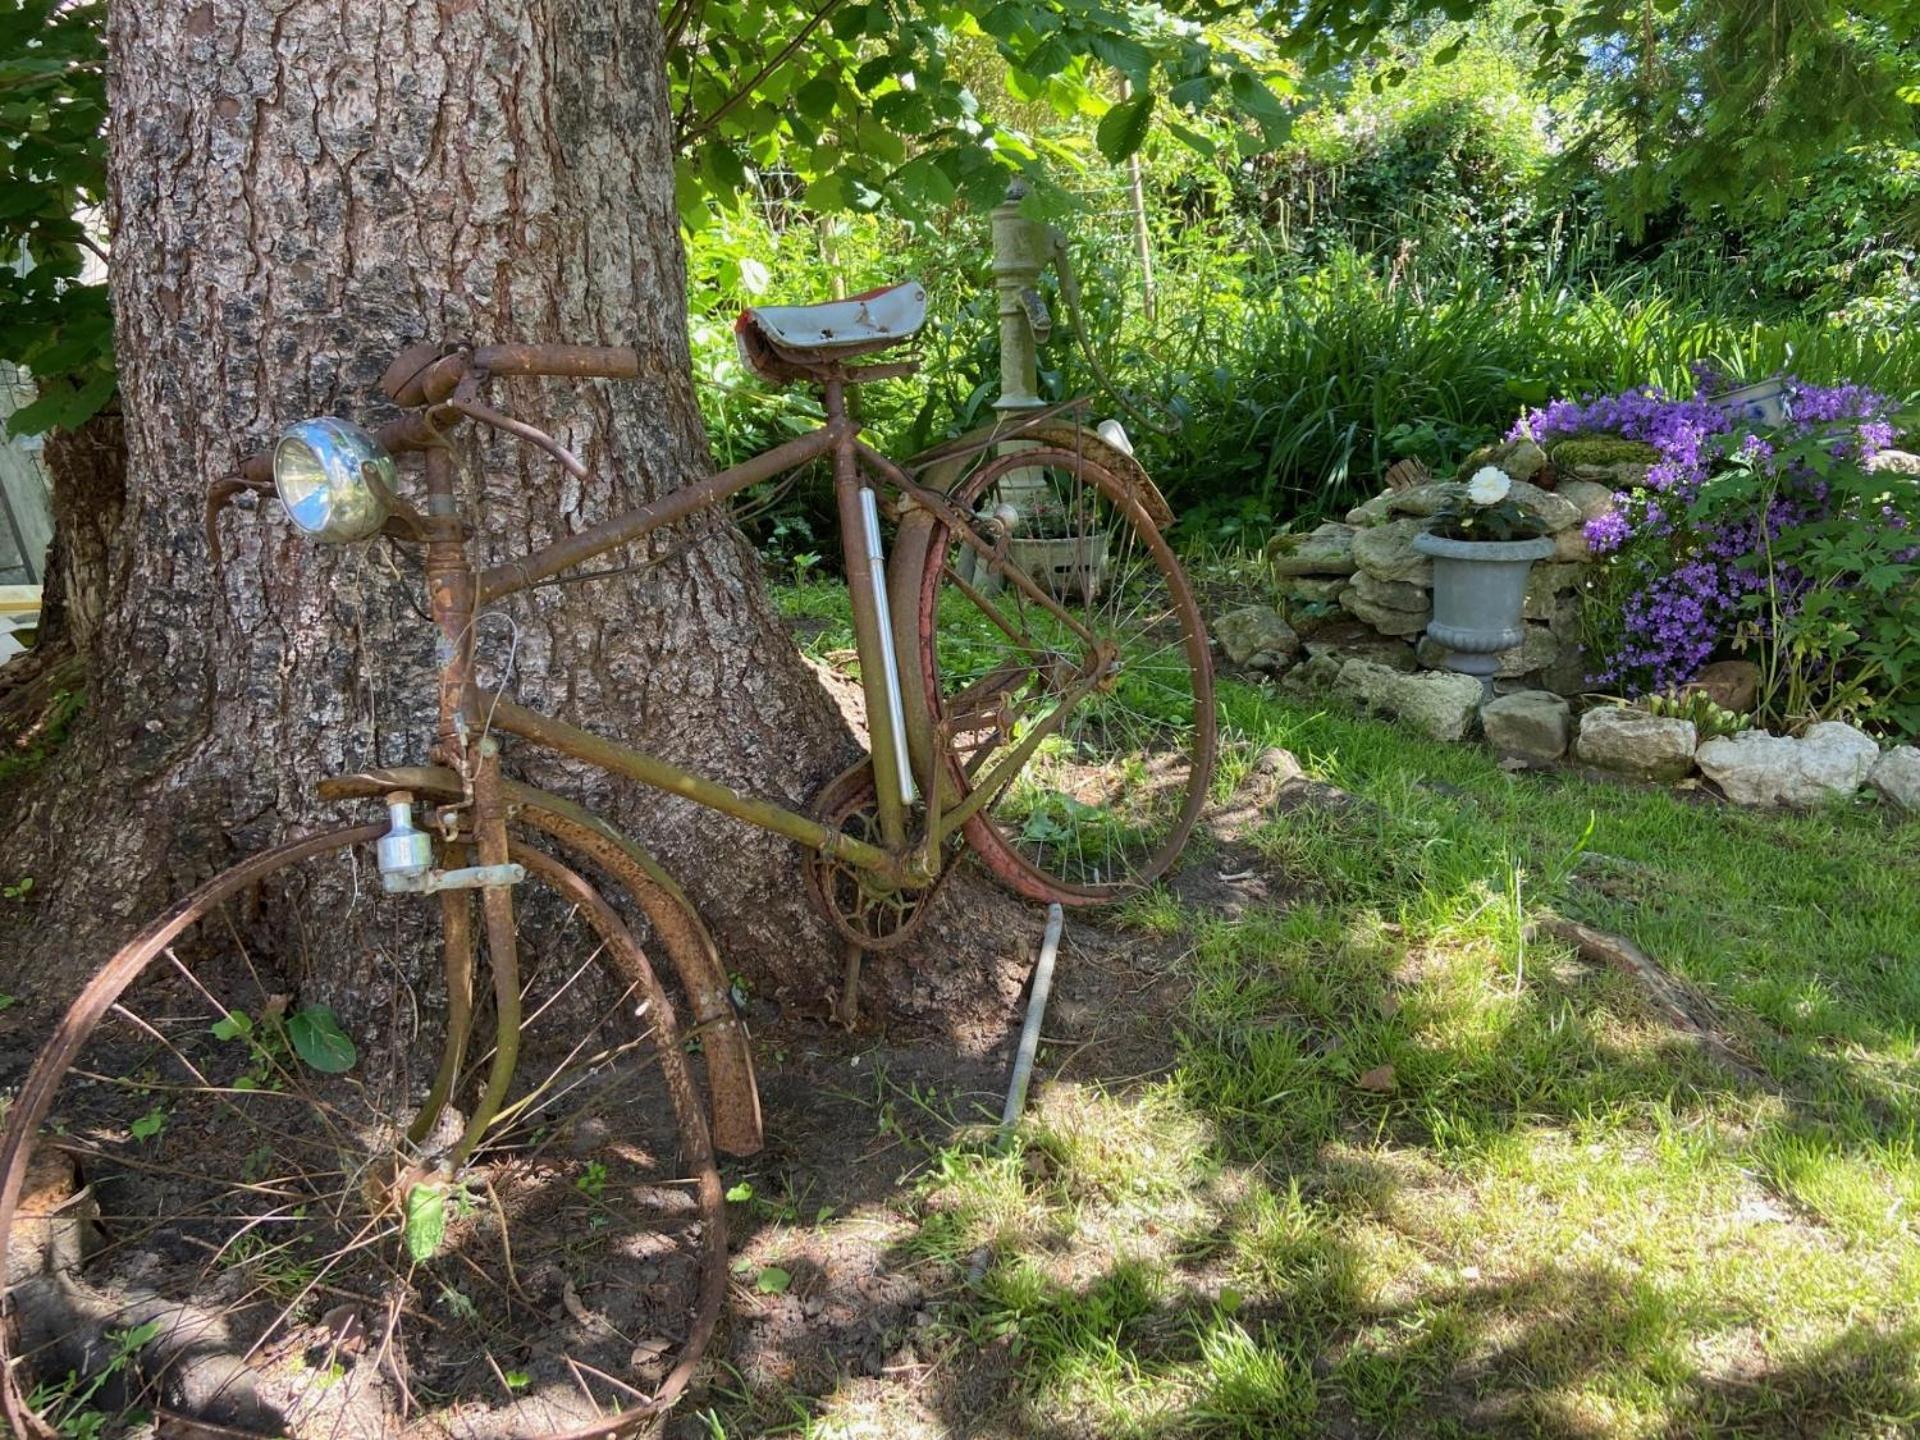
(68, 1403)
(1448, 162)
(863, 105)
(424, 1220)
(1720, 104)
(318, 1039)
(1835, 621)
(1710, 720)
(1462, 517)
(1601, 450)
(52, 168)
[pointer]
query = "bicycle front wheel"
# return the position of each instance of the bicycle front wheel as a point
(239, 1188)
(1106, 800)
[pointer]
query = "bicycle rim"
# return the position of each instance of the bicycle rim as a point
(220, 1198)
(1105, 803)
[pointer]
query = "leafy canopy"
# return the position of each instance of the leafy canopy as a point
(865, 104)
(52, 171)
(851, 105)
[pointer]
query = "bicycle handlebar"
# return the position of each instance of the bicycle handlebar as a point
(424, 377)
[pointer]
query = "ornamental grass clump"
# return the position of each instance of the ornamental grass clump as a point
(1485, 509)
(1773, 541)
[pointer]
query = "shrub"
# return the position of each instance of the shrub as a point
(1779, 541)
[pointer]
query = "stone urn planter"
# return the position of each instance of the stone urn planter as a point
(1479, 595)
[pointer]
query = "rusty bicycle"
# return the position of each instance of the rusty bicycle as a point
(220, 1202)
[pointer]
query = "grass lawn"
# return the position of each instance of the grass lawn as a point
(1404, 1171)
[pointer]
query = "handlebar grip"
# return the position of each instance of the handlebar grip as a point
(609, 362)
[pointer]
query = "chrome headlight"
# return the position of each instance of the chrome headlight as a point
(335, 480)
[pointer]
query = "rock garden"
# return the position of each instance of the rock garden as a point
(1717, 591)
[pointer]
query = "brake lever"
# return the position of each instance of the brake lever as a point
(466, 401)
(220, 494)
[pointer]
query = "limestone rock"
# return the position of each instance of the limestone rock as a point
(1547, 582)
(1553, 510)
(1325, 551)
(1564, 622)
(1831, 761)
(1351, 640)
(1896, 775)
(1652, 747)
(1731, 684)
(1589, 497)
(1895, 462)
(1568, 673)
(1538, 651)
(1386, 552)
(1517, 459)
(1570, 545)
(1312, 589)
(1532, 725)
(1313, 675)
(1257, 636)
(1439, 704)
(1387, 621)
(1421, 500)
(1618, 476)
(1393, 594)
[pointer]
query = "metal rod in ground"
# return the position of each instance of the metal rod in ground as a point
(1030, 1032)
(978, 1262)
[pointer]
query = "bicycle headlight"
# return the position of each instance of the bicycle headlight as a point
(335, 480)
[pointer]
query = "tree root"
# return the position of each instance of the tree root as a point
(1683, 1007)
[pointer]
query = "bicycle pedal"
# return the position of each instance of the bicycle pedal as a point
(471, 877)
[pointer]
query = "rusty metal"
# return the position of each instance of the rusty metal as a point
(990, 436)
(866, 911)
(698, 1147)
(661, 775)
(890, 872)
(30, 1106)
(450, 599)
(737, 1128)
(920, 555)
(456, 947)
(35, 1099)
(520, 429)
(503, 946)
(675, 505)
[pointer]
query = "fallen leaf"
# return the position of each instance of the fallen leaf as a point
(773, 1281)
(1380, 1078)
(570, 1298)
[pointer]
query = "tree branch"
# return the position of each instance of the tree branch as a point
(706, 126)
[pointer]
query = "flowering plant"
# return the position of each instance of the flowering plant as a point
(1484, 509)
(1774, 540)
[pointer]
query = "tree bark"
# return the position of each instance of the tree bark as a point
(300, 188)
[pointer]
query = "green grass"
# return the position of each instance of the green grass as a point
(1561, 1219)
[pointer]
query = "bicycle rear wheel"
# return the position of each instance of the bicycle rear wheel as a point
(221, 1196)
(1105, 802)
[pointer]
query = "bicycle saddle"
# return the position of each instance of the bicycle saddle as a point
(789, 342)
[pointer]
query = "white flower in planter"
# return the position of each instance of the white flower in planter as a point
(1489, 485)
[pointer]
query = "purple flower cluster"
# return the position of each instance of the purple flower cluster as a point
(1674, 621)
(1688, 585)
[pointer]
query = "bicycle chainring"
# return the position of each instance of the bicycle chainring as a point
(851, 900)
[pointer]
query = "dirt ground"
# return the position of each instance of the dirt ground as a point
(851, 1123)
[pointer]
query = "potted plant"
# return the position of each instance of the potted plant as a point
(1483, 545)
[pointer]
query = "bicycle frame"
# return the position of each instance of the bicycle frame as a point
(902, 740)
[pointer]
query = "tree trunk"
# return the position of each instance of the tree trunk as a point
(300, 189)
